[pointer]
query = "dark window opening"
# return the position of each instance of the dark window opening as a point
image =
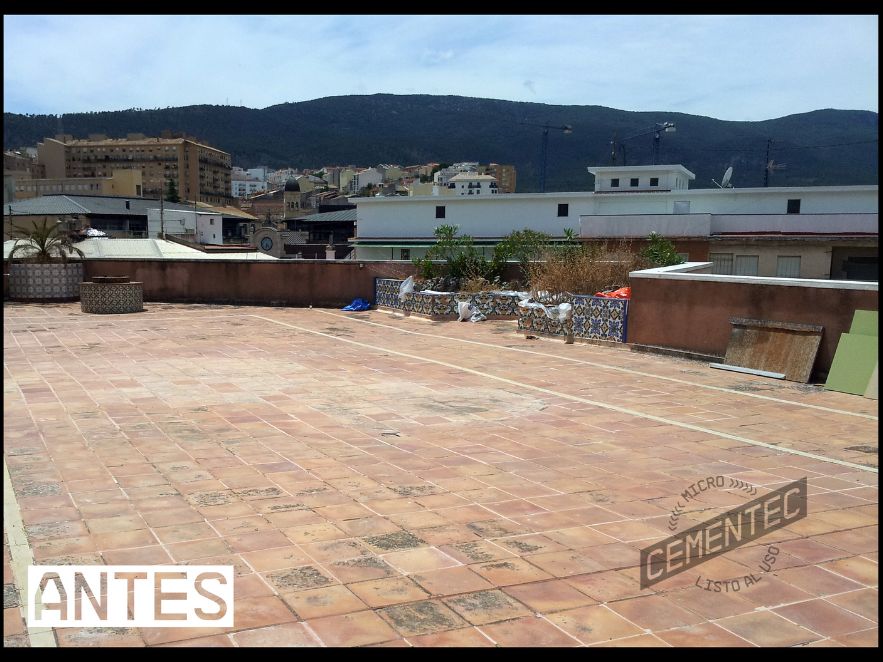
(614, 182)
(564, 209)
(634, 181)
(440, 211)
(794, 206)
(654, 181)
(861, 268)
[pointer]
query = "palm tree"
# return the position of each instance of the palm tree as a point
(43, 243)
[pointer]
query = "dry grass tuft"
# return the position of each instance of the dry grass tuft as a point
(584, 269)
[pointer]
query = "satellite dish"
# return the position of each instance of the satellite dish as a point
(725, 180)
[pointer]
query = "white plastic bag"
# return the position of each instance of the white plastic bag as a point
(562, 312)
(464, 311)
(406, 287)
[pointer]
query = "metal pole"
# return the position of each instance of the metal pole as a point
(766, 164)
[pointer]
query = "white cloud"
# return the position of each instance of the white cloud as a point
(729, 67)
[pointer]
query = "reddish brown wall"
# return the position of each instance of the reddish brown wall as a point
(696, 249)
(286, 282)
(695, 315)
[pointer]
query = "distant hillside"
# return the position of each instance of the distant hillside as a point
(385, 128)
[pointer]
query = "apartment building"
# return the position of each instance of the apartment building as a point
(363, 178)
(504, 174)
(468, 183)
(121, 182)
(248, 182)
(443, 176)
(22, 164)
(200, 172)
(19, 165)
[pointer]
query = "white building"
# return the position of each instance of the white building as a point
(260, 173)
(443, 176)
(242, 188)
(278, 178)
(244, 183)
(209, 229)
(391, 173)
(825, 226)
(641, 179)
(363, 178)
(205, 226)
(467, 183)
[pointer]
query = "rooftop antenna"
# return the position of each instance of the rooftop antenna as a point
(725, 180)
(771, 166)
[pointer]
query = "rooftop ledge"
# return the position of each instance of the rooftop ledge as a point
(692, 271)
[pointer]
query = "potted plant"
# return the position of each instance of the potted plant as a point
(39, 263)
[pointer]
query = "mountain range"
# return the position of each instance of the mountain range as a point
(822, 147)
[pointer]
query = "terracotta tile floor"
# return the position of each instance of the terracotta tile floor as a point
(379, 480)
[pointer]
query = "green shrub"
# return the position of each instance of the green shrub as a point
(661, 252)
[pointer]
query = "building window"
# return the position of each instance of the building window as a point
(745, 265)
(654, 181)
(721, 263)
(564, 209)
(633, 181)
(614, 182)
(211, 221)
(788, 266)
(406, 253)
(794, 206)
(439, 211)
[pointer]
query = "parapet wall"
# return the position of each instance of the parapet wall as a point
(679, 308)
(277, 283)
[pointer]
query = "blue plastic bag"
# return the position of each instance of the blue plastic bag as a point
(358, 304)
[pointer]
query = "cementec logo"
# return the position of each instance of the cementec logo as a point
(130, 596)
(725, 532)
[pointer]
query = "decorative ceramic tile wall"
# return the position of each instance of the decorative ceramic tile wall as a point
(111, 298)
(45, 281)
(386, 294)
(535, 322)
(600, 318)
(594, 318)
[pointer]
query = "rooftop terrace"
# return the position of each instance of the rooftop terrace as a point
(379, 480)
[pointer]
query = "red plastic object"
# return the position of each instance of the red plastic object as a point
(621, 293)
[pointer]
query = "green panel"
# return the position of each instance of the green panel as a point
(853, 364)
(864, 323)
(873, 385)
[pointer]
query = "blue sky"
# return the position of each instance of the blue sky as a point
(727, 67)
